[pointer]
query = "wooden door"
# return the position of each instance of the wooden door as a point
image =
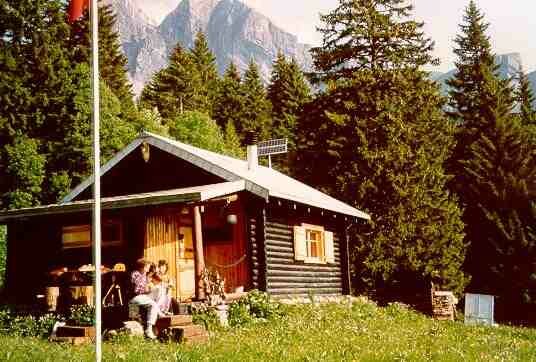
(166, 239)
(162, 233)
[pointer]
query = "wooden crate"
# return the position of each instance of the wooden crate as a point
(72, 331)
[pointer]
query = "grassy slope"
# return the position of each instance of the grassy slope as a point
(330, 333)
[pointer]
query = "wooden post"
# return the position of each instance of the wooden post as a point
(199, 256)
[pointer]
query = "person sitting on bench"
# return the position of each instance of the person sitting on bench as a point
(141, 296)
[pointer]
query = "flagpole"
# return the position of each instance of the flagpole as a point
(96, 174)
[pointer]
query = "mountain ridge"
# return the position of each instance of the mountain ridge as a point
(510, 65)
(235, 32)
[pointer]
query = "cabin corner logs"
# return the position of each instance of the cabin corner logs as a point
(273, 264)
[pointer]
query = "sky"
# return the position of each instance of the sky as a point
(512, 29)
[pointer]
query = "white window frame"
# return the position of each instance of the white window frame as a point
(321, 259)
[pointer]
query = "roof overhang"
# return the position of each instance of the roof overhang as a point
(215, 169)
(347, 210)
(185, 195)
(262, 182)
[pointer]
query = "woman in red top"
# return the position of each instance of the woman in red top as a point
(140, 290)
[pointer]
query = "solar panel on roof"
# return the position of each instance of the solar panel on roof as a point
(272, 147)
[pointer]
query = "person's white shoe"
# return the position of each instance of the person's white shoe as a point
(149, 333)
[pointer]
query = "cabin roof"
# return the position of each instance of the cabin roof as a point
(262, 181)
(189, 194)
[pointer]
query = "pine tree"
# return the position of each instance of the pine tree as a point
(174, 89)
(229, 101)
(374, 23)
(493, 165)
(150, 120)
(232, 141)
(197, 129)
(36, 90)
(46, 105)
(378, 138)
(256, 119)
(476, 75)
(502, 215)
(288, 92)
(25, 171)
(205, 63)
(525, 98)
(74, 160)
(113, 63)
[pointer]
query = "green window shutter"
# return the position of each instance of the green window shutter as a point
(300, 244)
(329, 248)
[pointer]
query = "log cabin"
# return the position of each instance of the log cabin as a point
(162, 199)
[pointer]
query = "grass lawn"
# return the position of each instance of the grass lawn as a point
(361, 332)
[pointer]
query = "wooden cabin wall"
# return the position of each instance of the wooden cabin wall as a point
(284, 275)
(255, 213)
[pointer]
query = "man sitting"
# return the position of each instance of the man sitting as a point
(140, 290)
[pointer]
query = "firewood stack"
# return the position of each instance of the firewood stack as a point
(443, 305)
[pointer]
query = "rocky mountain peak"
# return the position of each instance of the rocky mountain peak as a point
(235, 32)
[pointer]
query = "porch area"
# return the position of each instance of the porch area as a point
(193, 229)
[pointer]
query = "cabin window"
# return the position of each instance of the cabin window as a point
(79, 236)
(313, 244)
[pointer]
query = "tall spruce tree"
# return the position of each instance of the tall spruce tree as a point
(475, 77)
(256, 119)
(205, 64)
(493, 168)
(174, 89)
(113, 63)
(288, 92)
(502, 216)
(229, 101)
(378, 138)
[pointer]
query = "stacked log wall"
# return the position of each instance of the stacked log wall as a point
(287, 277)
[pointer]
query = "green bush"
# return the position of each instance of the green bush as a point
(255, 306)
(204, 315)
(81, 315)
(239, 314)
(26, 325)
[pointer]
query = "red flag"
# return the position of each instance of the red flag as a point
(76, 9)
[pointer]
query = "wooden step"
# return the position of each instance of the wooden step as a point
(174, 321)
(188, 334)
(201, 338)
(189, 331)
(72, 331)
(75, 341)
